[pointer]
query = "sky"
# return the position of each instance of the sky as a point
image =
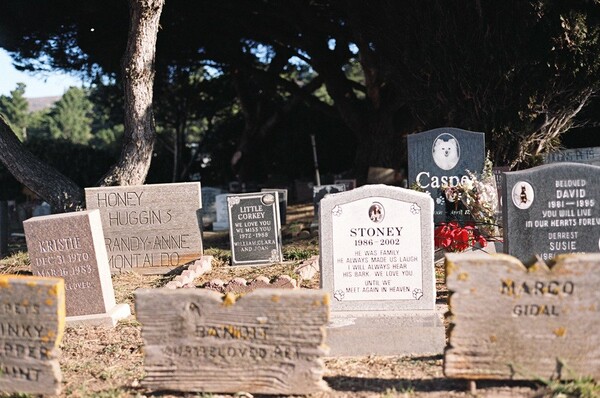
(37, 85)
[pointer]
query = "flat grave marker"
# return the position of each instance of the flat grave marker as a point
(71, 246)
(513, 322)
(150, 229)
(376, 261)
(32, 322)
(442, 157)
(552, 209)
(267, 342)
(254, 228)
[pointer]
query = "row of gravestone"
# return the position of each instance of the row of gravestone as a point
(507, 322)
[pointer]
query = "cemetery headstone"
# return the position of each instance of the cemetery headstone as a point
(222, 221)
(149, 228)
(254, 228)
(499, 178)
(552, 209)
(71, 246)
(589, 156)
(4, 228)
(267, 342)
(209, 210)
(349, 184)
(283, 201)
(442, 157)
(511, 322)
(319, 192)
(376, 261)
(32, 322)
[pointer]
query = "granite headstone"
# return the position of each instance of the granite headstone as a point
(376, 261)
(32, 322)
(254, 228)
(442, 157)
(209, 210)
(150, 229)
(283, 201)
(71, 246)
(222, 220)
(589, 156)
(552, 209)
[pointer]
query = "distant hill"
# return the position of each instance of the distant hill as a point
(40, 103)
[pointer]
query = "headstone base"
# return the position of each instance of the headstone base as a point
(120, 311)
(359, 333)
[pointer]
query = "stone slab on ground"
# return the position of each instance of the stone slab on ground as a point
(359, 333)
(266, 342)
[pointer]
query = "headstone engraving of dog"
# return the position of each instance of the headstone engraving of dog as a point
(149, 229)
(376, 261)
(32, 322)
(254, 228)
(71, 246)
(513, 322)
(269, 341)
(442, 157)
(552, 209)
(589, 156)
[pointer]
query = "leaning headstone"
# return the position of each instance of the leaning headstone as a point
(552, 209)
(377, 263)
(32, 322)
(209, 210)
(150, 229)
(71, 246)
(442, 157)
(513, 322)
(222, 220)
(254, 228)
(270, 341)
(589, 156)
(283, 201)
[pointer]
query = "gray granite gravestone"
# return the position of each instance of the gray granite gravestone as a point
(349, 184)
(150, 229)
(71, 246)
(376, 261)
(283, 201)
(552, 209)
(589, 156)
(254, 228)
(32, 322)
(209, 210)
(270, 341)
(222, 219)
(442, 157)
(319, 192)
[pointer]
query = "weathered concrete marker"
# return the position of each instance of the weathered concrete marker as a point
(32, 321)
(513, 322)
(268, 342)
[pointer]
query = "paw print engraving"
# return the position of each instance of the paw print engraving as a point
(338, 295)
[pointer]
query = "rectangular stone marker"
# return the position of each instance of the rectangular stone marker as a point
(254, 228)
(268, 342)
(552, 209)
(209, 209)
(589, 156)
(377, 249)
(149, 229)
(32, 322)
(71, 246)
(222, 221)
(442, 157)
(319, 192)
(283, 201)
(510, 322)
(377, 263)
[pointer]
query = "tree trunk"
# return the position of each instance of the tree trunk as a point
(138, 77)
(59, 191)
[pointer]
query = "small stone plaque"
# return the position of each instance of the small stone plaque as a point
(268, 342)
(510, 322)
(254, 228)
(149, 228)
(589, 156)
(442, 157)
(32, 322)
(71, 246)
(552, 209)
(377, 249)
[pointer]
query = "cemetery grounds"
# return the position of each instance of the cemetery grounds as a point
(106, 363)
